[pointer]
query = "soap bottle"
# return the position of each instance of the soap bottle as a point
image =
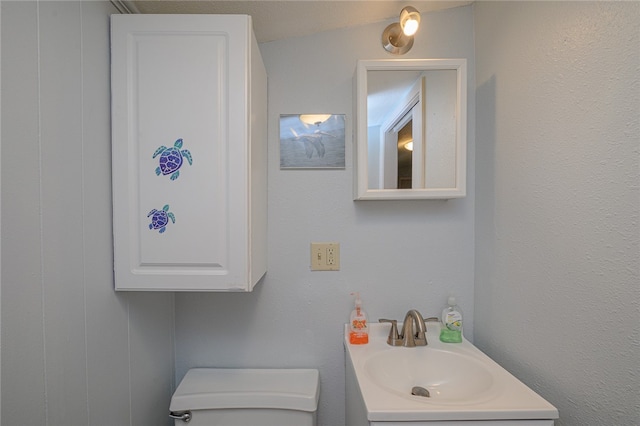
(451, 331)
(358, 326)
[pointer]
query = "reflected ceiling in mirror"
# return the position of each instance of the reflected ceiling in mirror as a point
(426, 96)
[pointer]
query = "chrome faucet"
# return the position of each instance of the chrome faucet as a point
(414, 331)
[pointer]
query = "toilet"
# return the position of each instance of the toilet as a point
(246, 397)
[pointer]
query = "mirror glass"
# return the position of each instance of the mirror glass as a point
(411, 129)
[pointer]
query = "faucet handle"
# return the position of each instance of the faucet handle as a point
(428, 320)
(394, 338)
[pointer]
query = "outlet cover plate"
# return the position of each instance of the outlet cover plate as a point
(325, 256)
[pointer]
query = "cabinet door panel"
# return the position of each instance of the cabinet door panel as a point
(179, 152)
(174, 101)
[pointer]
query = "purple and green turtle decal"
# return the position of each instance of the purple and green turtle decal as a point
(160, 218)
(171, 159)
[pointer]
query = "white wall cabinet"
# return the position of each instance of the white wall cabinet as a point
(189, 145)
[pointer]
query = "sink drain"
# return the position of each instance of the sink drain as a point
(420, 391)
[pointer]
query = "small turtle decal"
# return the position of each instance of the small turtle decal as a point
(171, 159)
(160, 218)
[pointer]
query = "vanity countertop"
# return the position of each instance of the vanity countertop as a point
(465, 384)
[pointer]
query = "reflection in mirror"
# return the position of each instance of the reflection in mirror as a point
(430, 96)
(411, 129)
(404, 149)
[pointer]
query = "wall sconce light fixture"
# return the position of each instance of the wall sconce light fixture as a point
(397, 38)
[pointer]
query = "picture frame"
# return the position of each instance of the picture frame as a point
(312, 141)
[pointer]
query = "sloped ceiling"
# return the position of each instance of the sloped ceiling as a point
(278, 19)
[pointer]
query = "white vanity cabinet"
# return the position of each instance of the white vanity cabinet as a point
(189, 141)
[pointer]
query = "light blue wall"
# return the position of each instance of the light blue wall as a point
(399, 255)
(76, 352)
(73, 351)
(557, 247)
(556, 220)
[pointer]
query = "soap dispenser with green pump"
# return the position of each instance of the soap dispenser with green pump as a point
(451, 331)
(358, 325)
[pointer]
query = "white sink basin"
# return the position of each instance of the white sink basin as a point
(463, 384)
(449, 377)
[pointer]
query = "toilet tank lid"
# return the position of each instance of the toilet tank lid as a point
(217, 388)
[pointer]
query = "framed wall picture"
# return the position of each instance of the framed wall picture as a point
(312, 141)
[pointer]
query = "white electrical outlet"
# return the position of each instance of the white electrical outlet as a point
(325, 256)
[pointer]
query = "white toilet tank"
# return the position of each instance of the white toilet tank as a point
(246, 397)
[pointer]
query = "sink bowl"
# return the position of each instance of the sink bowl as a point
(464, 385)
(449, 377)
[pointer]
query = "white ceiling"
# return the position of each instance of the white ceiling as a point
(278, 19)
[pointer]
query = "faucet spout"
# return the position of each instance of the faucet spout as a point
(414, 330)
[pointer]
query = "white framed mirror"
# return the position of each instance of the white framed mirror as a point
(411, 129)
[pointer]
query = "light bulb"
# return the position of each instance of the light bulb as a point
(410, 27)
(409, 20)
